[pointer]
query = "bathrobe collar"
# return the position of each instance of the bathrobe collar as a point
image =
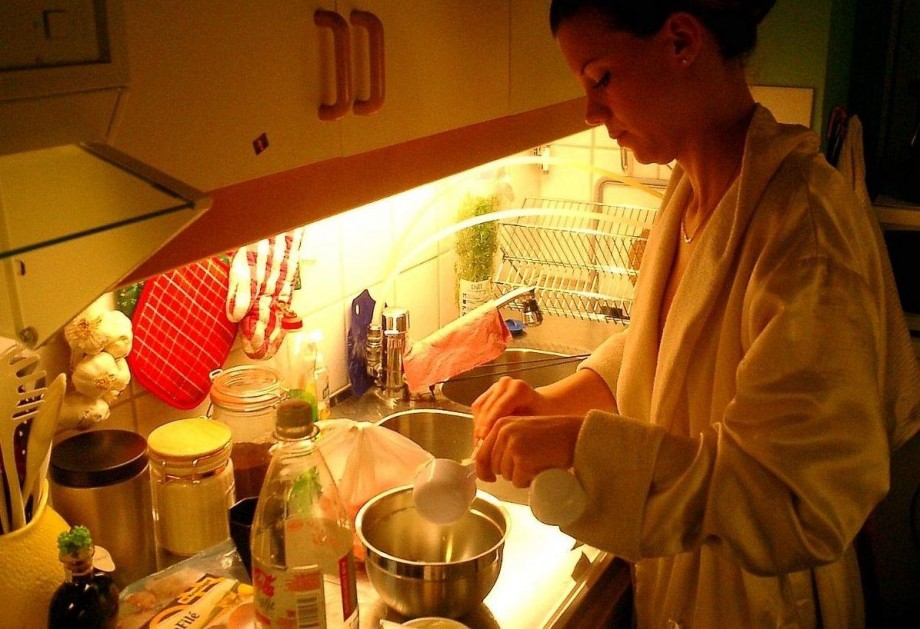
(767, 145)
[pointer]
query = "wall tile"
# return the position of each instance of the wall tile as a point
(330, 321)
(417, 290)
(448, 308)
(367, 240)
(321, 267)
(415, 220)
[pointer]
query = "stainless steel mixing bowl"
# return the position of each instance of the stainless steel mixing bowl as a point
(424, 569)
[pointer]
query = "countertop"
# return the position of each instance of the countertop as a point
(546, 575)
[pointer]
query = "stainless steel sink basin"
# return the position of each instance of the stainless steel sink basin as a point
(449, 435)
(535, 367)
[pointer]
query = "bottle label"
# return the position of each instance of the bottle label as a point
(317, 588)
(292, 597)
(474, 294)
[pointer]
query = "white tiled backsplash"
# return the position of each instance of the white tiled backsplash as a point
(359, 249)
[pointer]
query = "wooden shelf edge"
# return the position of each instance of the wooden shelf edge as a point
(249, 211)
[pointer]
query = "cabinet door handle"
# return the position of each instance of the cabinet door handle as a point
(377, 62)
(342, 44)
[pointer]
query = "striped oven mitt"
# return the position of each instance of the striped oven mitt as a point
(262, 279)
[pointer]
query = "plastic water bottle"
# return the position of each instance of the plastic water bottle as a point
(303, 567)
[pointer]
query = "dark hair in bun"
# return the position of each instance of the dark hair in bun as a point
(732, 22)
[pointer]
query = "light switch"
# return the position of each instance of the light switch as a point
(58, 23)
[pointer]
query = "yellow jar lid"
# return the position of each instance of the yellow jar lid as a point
(191, 438)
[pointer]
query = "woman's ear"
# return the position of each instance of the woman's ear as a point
(684, 34)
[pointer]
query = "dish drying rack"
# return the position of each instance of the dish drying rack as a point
(582, 267)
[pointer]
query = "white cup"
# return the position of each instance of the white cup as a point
(444, 489)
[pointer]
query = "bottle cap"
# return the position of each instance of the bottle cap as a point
(291, 321)
(294, 419)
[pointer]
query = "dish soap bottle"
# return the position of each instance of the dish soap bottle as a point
(321, 379)
(296, 360)
(88, 598)
(303, 567)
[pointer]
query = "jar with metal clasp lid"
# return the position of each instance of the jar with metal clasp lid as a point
(244, 398)
(191, 478)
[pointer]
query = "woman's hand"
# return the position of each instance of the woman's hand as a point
(508, 396)
(519, 448)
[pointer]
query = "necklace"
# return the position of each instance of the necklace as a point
(683, 231)
(688, 238)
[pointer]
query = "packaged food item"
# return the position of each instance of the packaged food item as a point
(209, 590)
(303, 567)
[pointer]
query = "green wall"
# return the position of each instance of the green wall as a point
(807, 43)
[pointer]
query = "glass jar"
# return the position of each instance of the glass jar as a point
(244, 398)
(191, 478)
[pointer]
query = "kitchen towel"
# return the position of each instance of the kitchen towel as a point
(181, 332)
(467, 342)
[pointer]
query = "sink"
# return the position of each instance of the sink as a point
(535, 367)
(449, 435)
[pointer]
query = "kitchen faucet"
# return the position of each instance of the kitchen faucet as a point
(387, 343)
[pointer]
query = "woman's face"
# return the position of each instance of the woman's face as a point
(628, 83)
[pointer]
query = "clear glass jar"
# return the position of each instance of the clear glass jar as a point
(191, 478)
(244, 398)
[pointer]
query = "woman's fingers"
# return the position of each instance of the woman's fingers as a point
(508, 396)
(518, 448)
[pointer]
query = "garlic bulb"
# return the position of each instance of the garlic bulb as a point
(94, 375)
(79, 412)
(122, 375)
(85, 333)
(116, 329)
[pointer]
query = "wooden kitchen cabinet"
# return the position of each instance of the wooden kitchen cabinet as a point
(539, 75)
(225, 93)
(446, 68)
(211, 82)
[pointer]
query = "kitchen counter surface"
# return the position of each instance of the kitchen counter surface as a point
(546, 576)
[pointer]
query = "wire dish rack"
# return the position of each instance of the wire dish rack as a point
(582, 257)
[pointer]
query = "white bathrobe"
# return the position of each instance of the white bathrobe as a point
(752, 438)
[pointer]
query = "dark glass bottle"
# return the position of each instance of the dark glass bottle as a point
(88, 599)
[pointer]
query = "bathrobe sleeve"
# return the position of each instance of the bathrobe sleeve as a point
(607, 359)
(786, 472)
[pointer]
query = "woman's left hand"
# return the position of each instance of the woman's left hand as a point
(519, 448)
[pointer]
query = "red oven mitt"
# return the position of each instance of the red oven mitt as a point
(262, 278)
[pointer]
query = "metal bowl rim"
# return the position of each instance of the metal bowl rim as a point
(422, 411)
(483, 495)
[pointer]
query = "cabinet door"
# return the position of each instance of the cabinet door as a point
(539, 76)
(222, 92)
(446, 67)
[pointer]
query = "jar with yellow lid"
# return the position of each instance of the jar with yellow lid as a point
(191, 477)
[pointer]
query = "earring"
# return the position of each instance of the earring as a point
(683, 61)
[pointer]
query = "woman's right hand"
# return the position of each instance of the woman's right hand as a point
(508, 396)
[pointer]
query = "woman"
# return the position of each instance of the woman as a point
(734, 439)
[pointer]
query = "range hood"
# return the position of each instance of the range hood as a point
(76, 216)
(75, 220)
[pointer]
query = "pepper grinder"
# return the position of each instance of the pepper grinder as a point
(395, 336)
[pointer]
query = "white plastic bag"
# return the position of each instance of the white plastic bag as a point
(366, 459)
